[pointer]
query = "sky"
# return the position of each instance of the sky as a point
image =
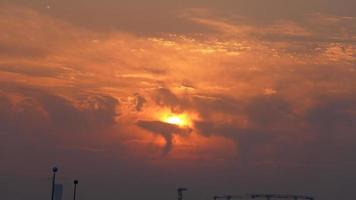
(137, 98)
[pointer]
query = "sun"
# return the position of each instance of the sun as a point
(175, 120)
(181, 120)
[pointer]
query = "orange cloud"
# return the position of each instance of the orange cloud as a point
(244, 82)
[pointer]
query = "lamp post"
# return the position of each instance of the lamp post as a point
(54, 170)
(75, 189)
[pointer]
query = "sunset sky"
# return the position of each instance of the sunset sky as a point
(136, 98)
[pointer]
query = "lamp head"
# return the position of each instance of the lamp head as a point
(54, 169)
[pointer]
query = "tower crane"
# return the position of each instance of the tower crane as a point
(281, 196)
(180, 193)
(229, 197)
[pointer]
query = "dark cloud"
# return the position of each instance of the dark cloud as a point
(139, 102)
(206, 105)
(267, 116)
(272, 121)
(37, 111)
(326, 138)
(165, 97)
(268, 109)
(332, 115)
(262, 110)
(210, 105)
(101, 109)
(23, 117)
(165, 130)
(246, 139)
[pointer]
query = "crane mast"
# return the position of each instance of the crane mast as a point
(180, 193)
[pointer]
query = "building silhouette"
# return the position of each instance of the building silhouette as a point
(58, 191)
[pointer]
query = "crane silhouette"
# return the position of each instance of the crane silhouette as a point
(281, 196)
(180, 193)
(229, 197)
(267, 196)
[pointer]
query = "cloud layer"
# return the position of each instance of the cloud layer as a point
(262, 95)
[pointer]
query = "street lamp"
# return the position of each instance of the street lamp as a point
(75, 189)
(54, 170)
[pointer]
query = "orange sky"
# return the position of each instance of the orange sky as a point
(253, 91)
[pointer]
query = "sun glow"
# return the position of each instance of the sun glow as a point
(176, 119)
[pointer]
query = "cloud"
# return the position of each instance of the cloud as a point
(332, 115)
(272, 121)
(165, 130)
(268, 110)
(314, 27)
(205, 104)
(32, 70)
(20, 50)
(95, 111)
(22, 117)
(164, 97)
(281, 92)
(39, 111)
(139, 101)
(86, 77)
(246, 139)
(257, 120)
